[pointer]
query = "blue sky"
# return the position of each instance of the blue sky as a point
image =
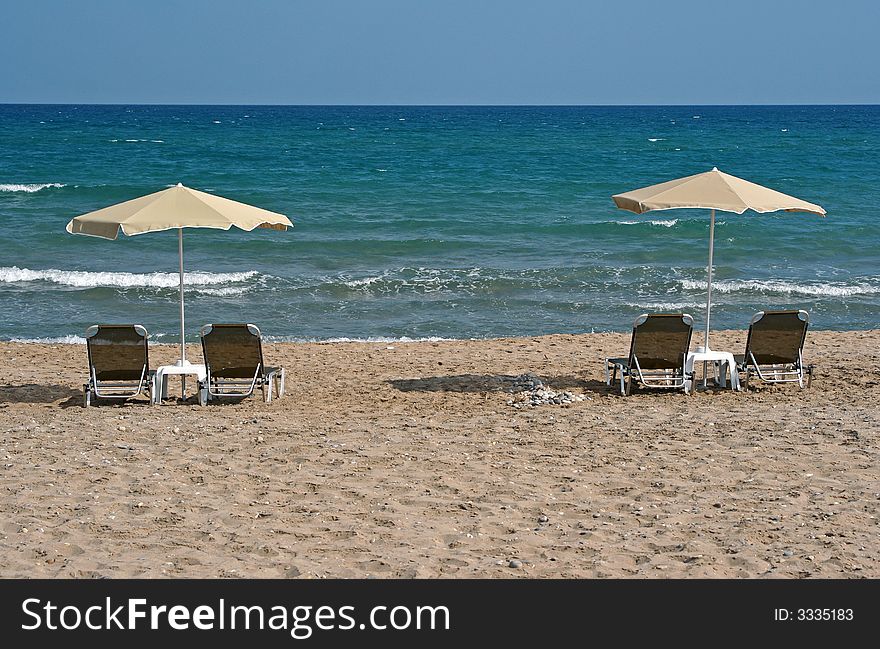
(440, 52)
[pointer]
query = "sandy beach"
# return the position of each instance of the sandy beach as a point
(406, 460)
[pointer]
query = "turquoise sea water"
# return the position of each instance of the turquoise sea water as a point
(419, 222)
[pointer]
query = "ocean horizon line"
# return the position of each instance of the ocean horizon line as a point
(450, 105)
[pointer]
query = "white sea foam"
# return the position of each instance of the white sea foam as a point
(72, 339)
(656, 139)
(439, 280)
(368, 339)
(364, 281)
(427, 280)
(91, 279)
(665, 306)
(666, 223)
(79, 340)
(29, 188)
(828, 289)
(226, 291)
(60, 340)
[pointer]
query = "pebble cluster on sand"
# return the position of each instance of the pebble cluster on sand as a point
(529, 390)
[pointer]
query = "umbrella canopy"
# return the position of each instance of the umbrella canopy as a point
(712, 190)
(175, 208)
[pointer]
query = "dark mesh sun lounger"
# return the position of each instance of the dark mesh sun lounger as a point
(119, 362)
(234, 362)
(660, 343)
(774, 348)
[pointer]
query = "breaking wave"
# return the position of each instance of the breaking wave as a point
(827, 289)
(29, 188)
(666, 223)
(91, 279)
(59, 340)
(666, 306)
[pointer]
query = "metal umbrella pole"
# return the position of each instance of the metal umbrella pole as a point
(709, 294)
(182, 322)
(709, 283)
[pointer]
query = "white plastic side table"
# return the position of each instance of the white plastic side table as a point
(726, 363)
(160, 387)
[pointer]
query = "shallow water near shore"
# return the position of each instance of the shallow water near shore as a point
(435, 222)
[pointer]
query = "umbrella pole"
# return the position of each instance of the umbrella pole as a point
(709, 283)
(182, 325)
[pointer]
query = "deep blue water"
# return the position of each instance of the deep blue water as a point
(453, 222)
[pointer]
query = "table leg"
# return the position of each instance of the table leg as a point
(689, 371)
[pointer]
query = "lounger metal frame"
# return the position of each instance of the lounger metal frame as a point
(795, 372)
(117, 389)
(630, 368)
(240, 388)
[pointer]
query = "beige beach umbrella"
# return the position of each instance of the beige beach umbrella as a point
(712, 190)
(175, 208)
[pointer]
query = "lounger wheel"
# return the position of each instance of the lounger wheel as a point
(87, 395)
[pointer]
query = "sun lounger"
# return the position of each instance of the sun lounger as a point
(234, 363)
(660, 343)
(774, 348)
(119, 362)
